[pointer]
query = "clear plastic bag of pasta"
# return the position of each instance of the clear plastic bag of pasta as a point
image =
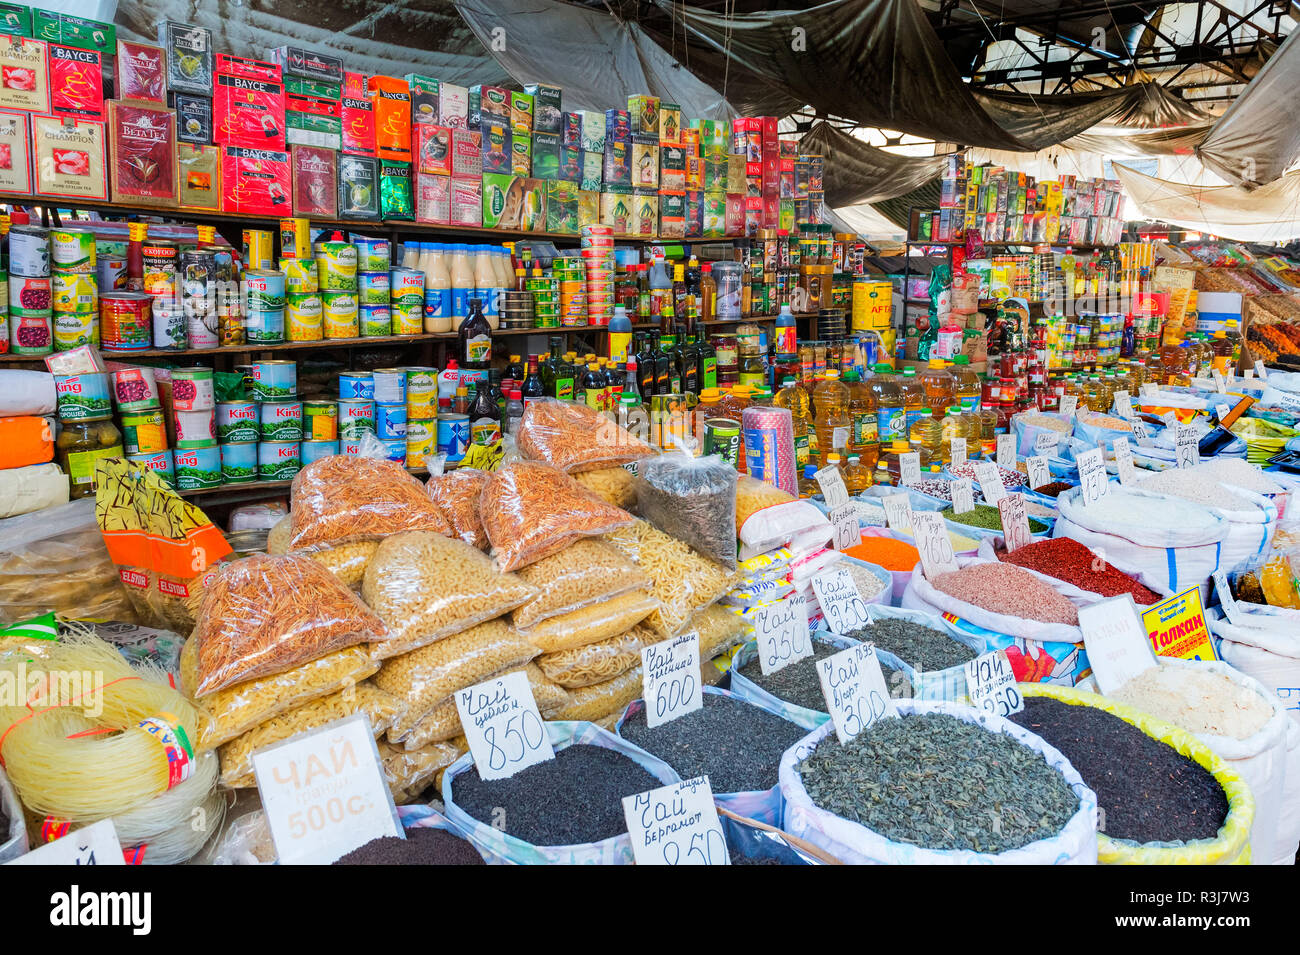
(720, 629)
(425, 677)
(613, 485)
(603, 699)
(586, 572)
(443, 721)
(532, 510)
(425, 587)
(409, 773)
(347, 562)
(574, 437)
(592, 623)
(457, 494)
(752, 495)
(694, 500)
(341, 499)
(265, 615)
(597, 662)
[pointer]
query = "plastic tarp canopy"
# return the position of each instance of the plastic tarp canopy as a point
(1270, 213)
(858, 172)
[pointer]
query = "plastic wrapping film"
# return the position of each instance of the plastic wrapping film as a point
(752, 495)
(239, 708)
(279, 536)
(574, 437)
(457, 494)
(265, 615)
(694, 500)
(425, 586)
(13, 840)
(26, 393)
(720, 628)
(603, 699)
(425, 677)
(683, 581)
(347, 562)
(778, 525)
(184, 840)
(586, 572)
(26, 441)
(237, 755)
(341, 498)
(169, 809)
(592, 623)
(614, 486)
(532, 510)
(597, 662)
(33, 488)
(769, 446)
(408, 774)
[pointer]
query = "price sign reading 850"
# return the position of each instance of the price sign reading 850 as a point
(782, 634)
(991, 685)
(842, 605)
(503, 726)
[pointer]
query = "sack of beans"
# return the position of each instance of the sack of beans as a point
(694, 500)
(565, 811)
(1169, 544)
(1167, 798)
(1047, 814)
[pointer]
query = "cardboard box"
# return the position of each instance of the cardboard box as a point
(189, 57)
(546, 156)
(493, 105)
(193, 118)
(313, 121)
(691, 140)
(248, 69)
(424, 99)
(432, 149)
(466, 152)
(24, 79)
(562, 207)
(76, 79)
(141, 72)
(15, 19)
(521, 154)
(496, 148)
(396, 195)
(358, 187)
(672, 215)
(315, 181)
(616, 208)
(670, 123)
(715, 138)
(248, 112)
(715, 175)
(433, 199)
(570, 168)
(616, 169)
(715, 215)
(358, 115)
(547, 112)
(308, 64)
(672, 168)
(593, 171)
(593, 131)
(571, 130)
(453, 106)
(256, 181)
(68, 157)
(199, 176)
(142, 153)
(467, 200)
(694, 213)
(391, 99)
(514, 202)
(588, 206)
(645, 163)
(735, 215)
(297, 86)
(694, 173)
(644, 220)
(68, 30)
(521, 113)
(618, 126)
(643, 115)
(15, 153)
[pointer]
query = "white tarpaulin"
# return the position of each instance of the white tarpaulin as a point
(1270, 213)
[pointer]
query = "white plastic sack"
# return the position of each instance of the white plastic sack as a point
(1076, 595)
(776, 526)
(855, 844)
(25, 392)
(13, 841)
(1269, 653)
(32, 488)
(1288, 823)
(1250, 530)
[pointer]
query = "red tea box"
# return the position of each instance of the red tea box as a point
(315, 181)
(248, 112)
(142, 153)
(141, 72)
(432, 146)
(255, 181)
(358, 117)
(76, 82)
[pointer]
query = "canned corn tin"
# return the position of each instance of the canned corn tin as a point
(263, 290)
(295, 238)
(336, 266)
(237, 422)
(373, 288)
(192, 389)
(259, 249)
(376, 321)
(73, 291)
(357, 386)
(373, 255)
(82, 397)
(279, 421)
(320, 421)
(273, 380)
(239, 462)
(160, 463)
(355, 419)
(195, 429)
(278, 461)
(304, 317)
(390, 421)
(390, 385)
(341, 314)
(29, 251)
(315, 450)
(421, 442)
(198, 468)
(143, 432)
(300, 275)
(408, 319)
(264, 328)
(421, 393)
(135, 389)
(72, 250)
(74, 329)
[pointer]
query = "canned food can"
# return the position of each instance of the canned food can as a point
(336, 266)
(192, 389)
(135, 389)
(390, 421)
(304, 317)
(315, 450)
(160, 261)
(200, 328)
(195, 429)
(357, 386)
(170, 326)
(259, 251)
(239, 462)
(263, 290)
(390, 385)
(237, 422)
(31, 334)
(295, 238)
(278, 460)
(421, 442)
(264, 328)
(197, 276)
(320, 421)
(373, 255)
(273, 380)
(406, 286)
(485, 431)
(223, 261)
(453, 435)
(82, 397)
(74, 329)
(356, 418)
(29, 251)
(143, 432)
(30, 296)
(73, 291)
(125, 321)
(408, 319)
(376, 321)
(300, 276)
(372, 288)
(396, 450)
(198, 468)
(350, 448)
(722, 437)
(230, 321)
(341, 314)
(160, 463)
(72, 250)
(279, 421)
(421, 393)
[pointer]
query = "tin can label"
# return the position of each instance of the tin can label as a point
(72, 250)
(390, 385)
(74, 329)
(315, 450)
(237, 422)
(278, 461)
(375, 321)
(356, 418)
(280, 421)
(390, 422)
(74, 292)
(29, 251)
(274, 380)
(407, 319)
(264, 327)
(82, 397)
(341, 314)
(320, 421)
(160, 463)
(373, 288)
(142, 432)
(357, 387)
(300, 275)
(238, 463)
(264, 291)
(31, 334)
(198, 468)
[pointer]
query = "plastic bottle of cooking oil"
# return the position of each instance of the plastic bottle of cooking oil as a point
(857, 477)
(913, 396)
(891, 413)
(889, 465)
(831, 407)
(958, 425)
(808, 481)
(795, 399)
(836, 461)
(864, 434)
(926, 437)
(938, 385)
(988, 443)
(966, 384)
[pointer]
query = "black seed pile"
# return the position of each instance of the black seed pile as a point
(575, 798)
(737, 745)
(798, 682)
(921, 647)
(1148, 791)
(420, 847)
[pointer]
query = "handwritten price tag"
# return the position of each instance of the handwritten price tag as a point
(1186, 446)
(670, 675)
(963, 496)
(1116, 640)
(1147, 389)
(1069, 404)
(842, 605)
(1007, 451)
(324, 793)
(1220, 383)
(503, 726)
(1140, 432)
(898, 512)
(931, 536)
(1259, 369)
(1045, 443)
(855, 690)
(1124, 462)
(844, 519)
(95, 844)
(782, 634)
(991, 685)
(957, 454)
(676, 824)
(909, 468)
(1123, 406)
(831, 482)
(1039, 474)
(1015, 522)
(986, 472)
(1093, 482)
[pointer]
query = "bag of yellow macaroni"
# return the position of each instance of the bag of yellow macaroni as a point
(162, 545)
(1230, 846)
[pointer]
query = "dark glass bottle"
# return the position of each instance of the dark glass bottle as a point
(707, 364)
(532, 383)
(485, 415)
(663, 367)
(475, 338)
(689, 365)
(645, 369)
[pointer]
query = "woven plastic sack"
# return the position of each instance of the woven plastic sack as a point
(584, 573)
(1288, 823)
(853, 843)
(1267, 650)
(1095, 429)
(1250, 526)
(989, 546)
(574, 437)
(498, 847)
(457, 493)
(340, 499)
(265, 615)
(603, 699)
(425, 587)
(752, 495)
(443, 721)
(694, 500)
(596, 662)
(533, 510)
(796, 524)
(1232, 844)
(425, 677)
(592, 623)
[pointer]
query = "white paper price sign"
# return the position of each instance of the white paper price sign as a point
(503, 726)
(1259, 369)
(1140, 432)
(1227, 601)
(909, 468)
(855, 690)
(1039, 473)
(1124, 462)
(898, 511)
(1147, 388)
(831, 482)
(1248, 373)
(676, 824)
(958, 452)
(1170, 419)
(782, 634)
(1123, 406)
(844, 520)
(963, 495)
(1015, 521)
(1069, 404)
(1007, 451)
(1186, 446)
(324, 792)
(1045, 443)
(1220, 383)
(1093, 482)
(931, 536)
(96, 844)
(670, 675)
(842, 605)
(1116, 640)
(986, 472)
(991, 685)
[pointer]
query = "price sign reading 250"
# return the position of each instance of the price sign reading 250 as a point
(842, 605)
(503, 726)
(782, 634)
